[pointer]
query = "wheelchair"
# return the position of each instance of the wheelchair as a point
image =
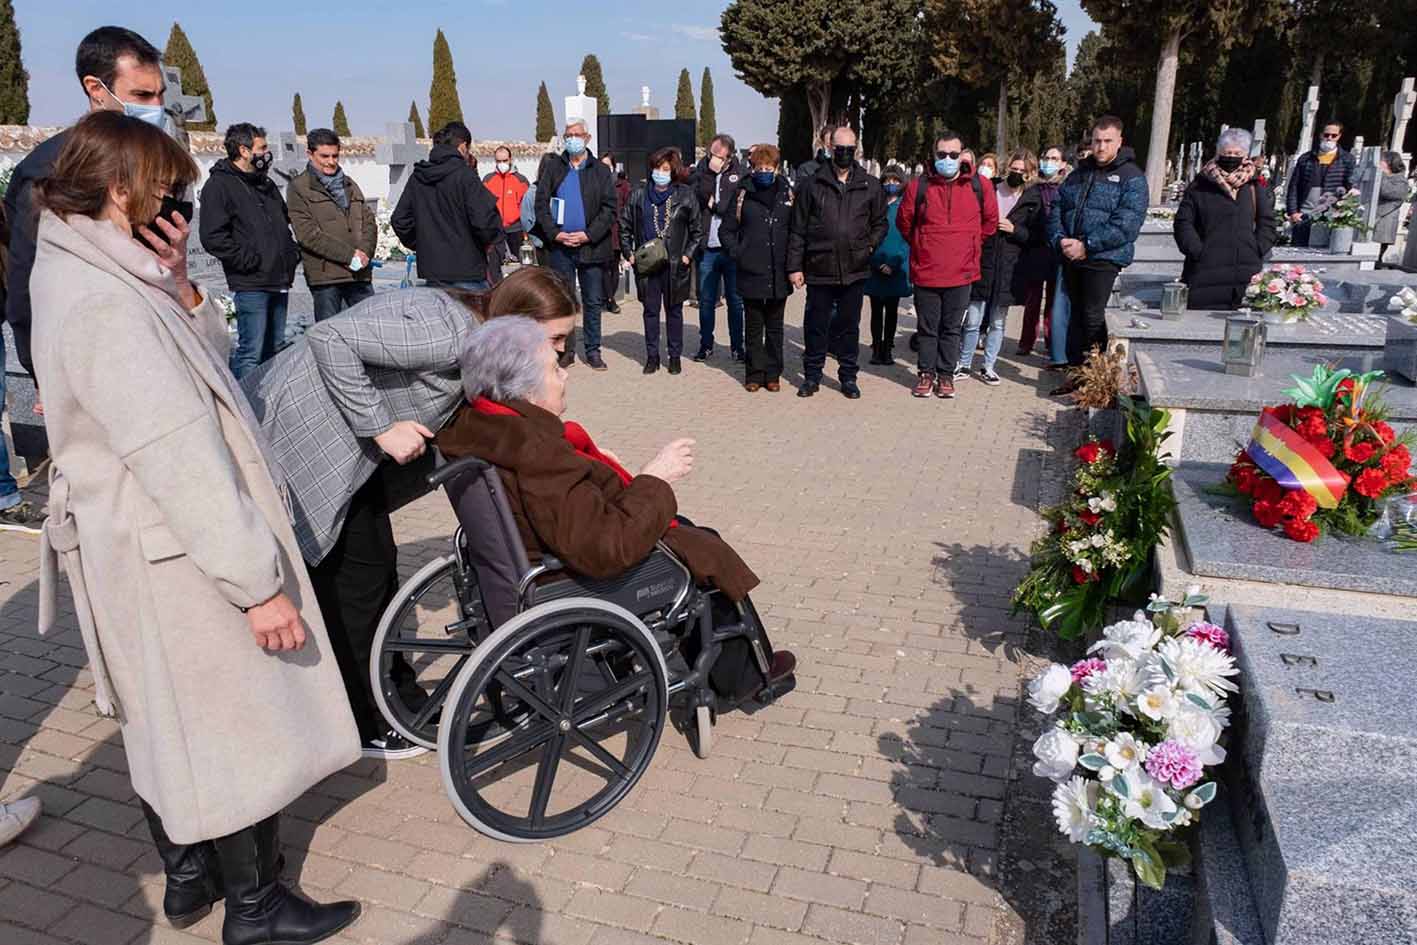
(545, 692)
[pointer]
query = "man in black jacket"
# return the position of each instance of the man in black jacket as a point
(243, 223)
(838, 220)
(447, 216)
(577, 235)
(715, 181)
(1325, 171)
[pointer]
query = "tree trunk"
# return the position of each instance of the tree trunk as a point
(1161, 114)
(1316, 71)
(819, 97)
(1002, 122)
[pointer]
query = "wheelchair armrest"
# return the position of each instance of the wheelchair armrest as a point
(451, 471)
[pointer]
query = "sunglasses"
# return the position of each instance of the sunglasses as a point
(953, 155)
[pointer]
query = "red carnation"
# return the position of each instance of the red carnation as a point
(1284, 412)
(1345, 386)
(1299, 504)
(1088, 452)
(1267, 490)
(1371, 483)
(1384, 432)
(1267, 513)
(1089, 518)
(1301, 529)
(1107, 447)
(1311, 423)
(1082, 577)
(1359, 453)
(1243, 478)
(1396, 462)
(1325, 447)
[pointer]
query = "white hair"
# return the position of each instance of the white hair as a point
(503, 360)
(1234, 138)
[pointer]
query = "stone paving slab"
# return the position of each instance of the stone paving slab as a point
(884, 801)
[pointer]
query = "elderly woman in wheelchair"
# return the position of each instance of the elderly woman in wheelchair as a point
(576, 615)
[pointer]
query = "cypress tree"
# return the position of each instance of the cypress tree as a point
(179, 53)
(297, 115)
(545, 115)
(340, 126)
(708, 121)
(443, 103)
(684, 101)
(14, 80)
(417, 121)
(595, 82)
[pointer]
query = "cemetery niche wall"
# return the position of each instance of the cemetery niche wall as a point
(633, 138)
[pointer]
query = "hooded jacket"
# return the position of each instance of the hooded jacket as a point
(704, 182)
(836, 227)
(244, 223)
(448, 218)
(947, 236)
(20, 214)
(1104, 206)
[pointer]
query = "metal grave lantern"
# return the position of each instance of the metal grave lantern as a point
(1243, 348)
(1173, 299)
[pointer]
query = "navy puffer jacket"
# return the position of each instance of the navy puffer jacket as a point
(1102, 206)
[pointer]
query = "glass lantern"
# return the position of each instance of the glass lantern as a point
(1173, 299)
(1243, 348)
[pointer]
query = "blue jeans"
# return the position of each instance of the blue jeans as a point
(260, 329)
(713, 264)
(330, 300)
(1058, 339)
(993, 337)
(9, 488)
(592, 283)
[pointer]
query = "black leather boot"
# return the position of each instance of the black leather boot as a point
(193, 875)
(259, 910)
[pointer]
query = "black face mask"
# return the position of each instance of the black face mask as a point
(170, 205)
(843, 156)
(1015, 179)
(1229, 163)
(262, 162)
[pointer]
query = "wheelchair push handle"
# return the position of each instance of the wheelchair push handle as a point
(450, 471)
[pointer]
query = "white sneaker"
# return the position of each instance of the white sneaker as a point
(392, 746)
(16, 816)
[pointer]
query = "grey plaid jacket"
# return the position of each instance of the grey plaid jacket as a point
(321, 402)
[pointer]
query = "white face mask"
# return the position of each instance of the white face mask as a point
(503, 167)
(1327, 145)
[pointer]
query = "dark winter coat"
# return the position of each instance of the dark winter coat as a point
(23, 222)
(1308, 173)
(808, 169)
(1039, 262)
(998, 269)
(622, 197)
(1102, 206)
(1392, 195)
(243, 222)
(836, 227)
(598, 195)
(1225, 241)
(755, 235)
(328, 235)
(685, 234)
(727, 181)
(947, 236)
(448, 217)
(893, 252)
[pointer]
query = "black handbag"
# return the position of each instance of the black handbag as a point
(653, 256)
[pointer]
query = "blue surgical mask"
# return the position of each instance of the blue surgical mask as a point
(1049, 168)
(893, 189)
(575, 145)
(947, 167)
(764, 178)
(661, 178)
(154, 115)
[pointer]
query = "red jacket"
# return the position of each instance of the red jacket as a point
(508, 189)
(947, 238)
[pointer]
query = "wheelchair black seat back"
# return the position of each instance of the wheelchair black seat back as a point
(545, 693)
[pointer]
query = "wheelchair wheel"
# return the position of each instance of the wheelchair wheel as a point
(425, 636)
(701, 735)
(594, 685)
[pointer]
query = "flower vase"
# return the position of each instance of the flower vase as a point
(1279, 320)
(1340, 241)
(1319, 236)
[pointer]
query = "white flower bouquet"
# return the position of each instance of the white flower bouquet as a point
(388, 246)
(1405, 302)
(1291, 292)
(7, 170)
(1139, 722)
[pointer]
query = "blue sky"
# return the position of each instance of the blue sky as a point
(376, 57)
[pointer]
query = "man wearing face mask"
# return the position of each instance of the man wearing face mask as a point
(838, 220)
(244, 224)
(507, 187)
(716, 180)
(1324, 170)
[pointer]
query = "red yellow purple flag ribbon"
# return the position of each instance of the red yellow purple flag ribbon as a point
(1294, 462)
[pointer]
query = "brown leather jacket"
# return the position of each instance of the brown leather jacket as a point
(577, 509)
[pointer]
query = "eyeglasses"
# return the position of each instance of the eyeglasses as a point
(953, 155)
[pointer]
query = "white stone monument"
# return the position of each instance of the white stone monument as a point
(645, 108)
(1401, 112)
(1257, 138)
(582, 107)
(400, 150)
(1306, 130)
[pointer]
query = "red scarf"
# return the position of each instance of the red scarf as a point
(573, 432)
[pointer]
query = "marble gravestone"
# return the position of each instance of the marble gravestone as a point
(1306, 130)
(1257, 138)
(400, 150)
(581, 107)
(1402, 107)
(1369, 176)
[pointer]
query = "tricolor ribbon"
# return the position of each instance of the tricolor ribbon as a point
(1293, 461)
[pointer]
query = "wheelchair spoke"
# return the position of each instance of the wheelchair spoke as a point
(439, 695)
(570, 680)
(427, 646)
(603, 756)
(510, 684)
(508, 750)
(545, 778)
(607, 700)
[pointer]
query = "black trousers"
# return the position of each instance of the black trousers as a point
(657, 293)
(939, 319)
(353, 585)
(763, 326)
(883, 317)
(832, 323)
(1089, 287)
(612, 281)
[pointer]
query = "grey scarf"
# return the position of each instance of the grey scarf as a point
(334, 184)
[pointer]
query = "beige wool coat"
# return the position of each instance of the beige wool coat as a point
(167, 518)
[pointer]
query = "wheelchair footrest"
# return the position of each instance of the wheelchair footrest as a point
(774, 691)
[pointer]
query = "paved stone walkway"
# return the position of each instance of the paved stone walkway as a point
(884, 802)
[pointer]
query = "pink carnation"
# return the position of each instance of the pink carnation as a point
(1174, 764)
(1275, 287)
(1085, 668)
(1210, 633)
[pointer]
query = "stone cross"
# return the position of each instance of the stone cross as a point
(1401, 112)
(1306, 130)
(400, 150)
(290, 158)
(179, 107)
(1369, 177)
(644, 96)
(1257, 138)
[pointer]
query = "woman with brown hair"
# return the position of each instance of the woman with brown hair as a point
(200, 627)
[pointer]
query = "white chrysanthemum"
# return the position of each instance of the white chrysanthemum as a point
(1124, 752)
(1199, 730)
(1129, 638)
(1121, 680)
(1047, 689)
(1199, 667)
(1057, 754)
(1074, 806)
(1146, 799)
(1157, 702)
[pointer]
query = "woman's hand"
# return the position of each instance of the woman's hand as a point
(171, 250)
(673, 463)
(1005, 226)
(685, 260)
(405, 441)
(276, 625)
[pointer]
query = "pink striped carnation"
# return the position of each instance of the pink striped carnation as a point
(1085, 668)
(1210, 633)
(1174, 764)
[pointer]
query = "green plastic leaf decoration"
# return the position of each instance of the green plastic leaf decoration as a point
(1173, 852)
(1146, 861)
(1097, 837)
(1119, 786)
(1199, 700)
(1206, 792)
(1319, 389)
